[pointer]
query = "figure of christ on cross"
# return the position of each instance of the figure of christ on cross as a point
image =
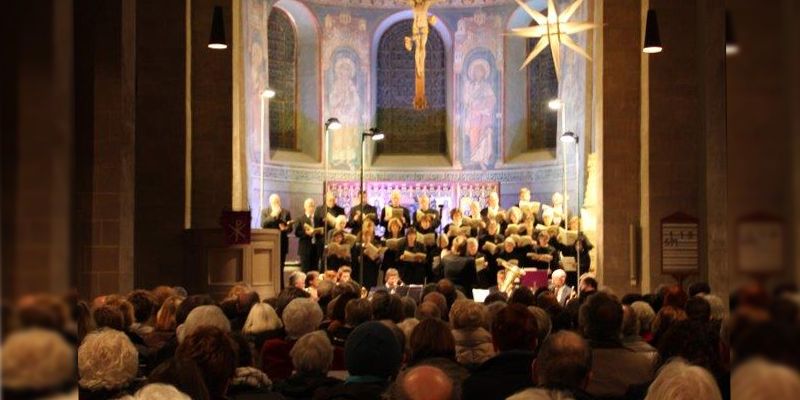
(417, 41)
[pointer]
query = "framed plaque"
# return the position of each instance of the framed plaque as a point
(680, 244)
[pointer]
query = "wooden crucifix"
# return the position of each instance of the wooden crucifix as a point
(417, 42)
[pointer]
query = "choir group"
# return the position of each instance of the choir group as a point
(472, 250)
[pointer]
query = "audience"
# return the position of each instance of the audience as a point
(162, 344)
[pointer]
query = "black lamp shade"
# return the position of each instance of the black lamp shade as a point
(652, 40)
(731, 46)
(217, 39)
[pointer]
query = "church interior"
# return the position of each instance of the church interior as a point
(240, 149)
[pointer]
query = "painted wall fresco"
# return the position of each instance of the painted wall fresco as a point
(345, 64)
(477, 64)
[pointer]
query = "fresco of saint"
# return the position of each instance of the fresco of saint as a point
(479, 101)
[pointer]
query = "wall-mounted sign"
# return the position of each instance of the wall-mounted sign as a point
(680, 245)
(760, 244)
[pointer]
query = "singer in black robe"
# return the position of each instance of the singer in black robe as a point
(412, 272)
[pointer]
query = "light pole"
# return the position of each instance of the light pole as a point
(265, 96)
(376, 135)
(332, 124)
(566, 138)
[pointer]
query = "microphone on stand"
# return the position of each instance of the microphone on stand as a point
(441, 209)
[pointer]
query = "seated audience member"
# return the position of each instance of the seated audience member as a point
(630, 333)
(248, 382)
(674, 296)
(631, 298)
(473, 341)
(298, 279)
(514, 333)
(432, 339)
(698, 309)
(679, 380)
(372, 356)
(522, 295)
(286, 296)
(616, 367)
(665, 318)
(162, 293)
(262, 324)
(543, 323)
(107, 365)
(312, 284)
(356, 312)
(692, 341)
(189, 304)
(183, 374)
(424, 382)
(301, 316)
(144, 306)
(312, 356)
(109, 317)
(561, 370)
(718, 309)
(38, 363)
(441, 303)
(758, 378)
(409, 307)
(645, 314)
(164, 327)
(203, 316)
(387, 307)
(214, 352)
(699, 289)
(428, 309)
(159, 391)
(448, 289)
(335, 317)
(560, 288)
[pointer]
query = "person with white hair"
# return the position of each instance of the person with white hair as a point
(394, 207)
(107, 364)
(298, 279)
(36, 361)
(679, 380)
(262, 324)
(718, 309)
(759, 379)
(645, 314)
(208, 315)
(558, 285)
(312, 356)
(160, 391)
(300, 317)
